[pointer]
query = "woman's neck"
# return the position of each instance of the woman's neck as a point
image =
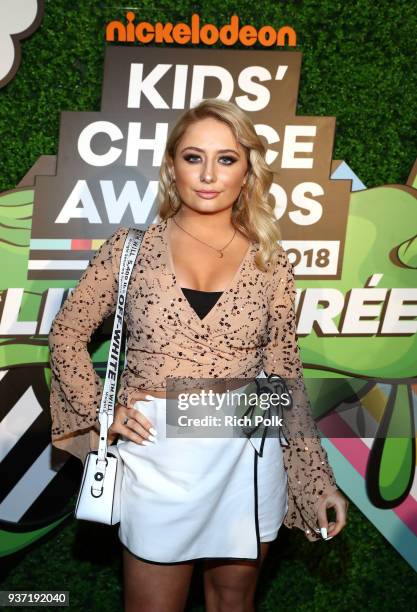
(205, 226)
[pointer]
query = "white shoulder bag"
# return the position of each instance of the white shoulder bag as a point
(100, 491)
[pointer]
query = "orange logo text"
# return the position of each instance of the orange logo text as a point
(208, 34)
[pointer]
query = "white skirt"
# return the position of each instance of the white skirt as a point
(186, 499)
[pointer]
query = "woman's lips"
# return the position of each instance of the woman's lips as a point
(207, 195)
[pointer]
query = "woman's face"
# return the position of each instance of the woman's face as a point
(209, 167)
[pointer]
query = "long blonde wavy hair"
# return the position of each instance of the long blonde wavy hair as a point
(253, 211)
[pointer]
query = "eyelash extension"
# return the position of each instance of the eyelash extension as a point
(231, 160)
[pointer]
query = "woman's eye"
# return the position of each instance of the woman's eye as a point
(227, 160)
(192, 158)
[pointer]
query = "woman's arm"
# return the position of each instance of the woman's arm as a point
(281, 356)
(76, 388)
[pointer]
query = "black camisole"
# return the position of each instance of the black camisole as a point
(201, 301)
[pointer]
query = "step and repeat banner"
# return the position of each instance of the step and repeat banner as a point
(354, 252)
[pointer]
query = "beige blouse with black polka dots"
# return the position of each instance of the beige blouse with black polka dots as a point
(252, 327)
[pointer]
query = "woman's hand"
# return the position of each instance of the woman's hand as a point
(340, 503)
(138, 428)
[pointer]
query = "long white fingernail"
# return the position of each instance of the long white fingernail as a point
(149, 397)
(323, 531)
(152, 438)
(153, 431)
(146, 443)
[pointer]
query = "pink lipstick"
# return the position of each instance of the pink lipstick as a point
(207, 195)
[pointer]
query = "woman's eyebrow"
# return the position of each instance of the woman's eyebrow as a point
(219, 151)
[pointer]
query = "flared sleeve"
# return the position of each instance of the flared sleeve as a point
(76, 388)
(310, 475)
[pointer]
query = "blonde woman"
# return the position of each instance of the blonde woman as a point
(211, 297)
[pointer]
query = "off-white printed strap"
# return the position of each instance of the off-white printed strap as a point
(106, 413)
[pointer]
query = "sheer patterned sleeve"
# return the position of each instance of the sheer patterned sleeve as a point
(312, 472)
(76, 388)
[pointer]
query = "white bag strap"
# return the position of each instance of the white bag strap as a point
(106, 414)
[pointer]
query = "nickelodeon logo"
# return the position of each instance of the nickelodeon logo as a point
(208, 34)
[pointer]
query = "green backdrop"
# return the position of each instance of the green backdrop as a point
(359, 66)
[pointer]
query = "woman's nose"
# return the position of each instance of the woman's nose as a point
(207, 172)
